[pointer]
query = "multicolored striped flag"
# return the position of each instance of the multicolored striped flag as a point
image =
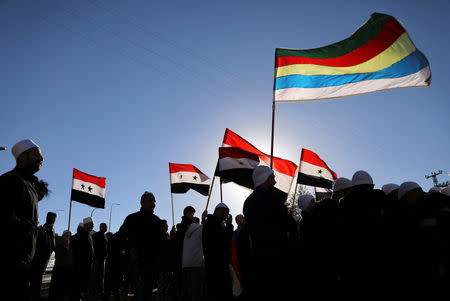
(378, 56)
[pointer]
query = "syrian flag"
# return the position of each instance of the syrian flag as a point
(88, 189)
(236, 165)
(186, 176)
(322, 193)
(284, 170)
(313, 171)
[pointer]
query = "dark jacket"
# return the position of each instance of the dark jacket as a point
(144, 231)
(19, 217)
(216, 243)
(45, 245)
(179, 239)
(270, 225)
(100, 245)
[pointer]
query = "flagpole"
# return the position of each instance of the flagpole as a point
(295, 192)
(290, 186)
(171, 197)
(70, 213)
(221, 196)
(273, 128)
(210, 191)
(173, 216)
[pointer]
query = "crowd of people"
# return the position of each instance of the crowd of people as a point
(358, 234)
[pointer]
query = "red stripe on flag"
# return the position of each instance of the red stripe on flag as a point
(314, 159)
(99, 181)
(281, 165)
(174, 167)
(391, 31)
(236, 153)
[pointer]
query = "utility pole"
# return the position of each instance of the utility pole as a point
(435, 180)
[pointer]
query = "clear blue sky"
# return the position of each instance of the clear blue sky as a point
(120, 88)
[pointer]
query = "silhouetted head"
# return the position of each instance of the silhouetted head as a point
(28, 155)
(222, 211)
(51, 218)
(263, 177)
(103, 228)
(240, 220)
(148, 202)
(189, 212)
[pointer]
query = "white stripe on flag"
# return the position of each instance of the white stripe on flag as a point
(314, 170)
(418, 79)
(88, 188)
(189, 177)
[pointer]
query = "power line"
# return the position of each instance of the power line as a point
(173, 44)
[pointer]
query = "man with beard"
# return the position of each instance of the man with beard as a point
(19, 217)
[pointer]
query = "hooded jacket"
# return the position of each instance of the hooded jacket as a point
(192, 247)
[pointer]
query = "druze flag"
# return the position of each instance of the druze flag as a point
(186, 176)
(378, 56)
(313, 171)
(236, 165)
(88, 189)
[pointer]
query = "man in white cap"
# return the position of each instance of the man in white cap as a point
(217, 235)
(271, 228)
(19, 216)
(341, 188)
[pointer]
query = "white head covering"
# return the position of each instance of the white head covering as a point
(388, 188)
(405, 187)
(361, 177)
(434, 190)
(81, 225)
(304, 201)
(222, 205)
(261, 174)
(22, 146)
(65, 231)
(446, 190)
(341, 184)
(87, 220)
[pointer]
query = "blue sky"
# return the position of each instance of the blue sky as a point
(120, 88)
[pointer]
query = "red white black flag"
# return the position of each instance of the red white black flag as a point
(186, 176)
(284, 170)
(88, 189)
(236, 165)
(313, 171)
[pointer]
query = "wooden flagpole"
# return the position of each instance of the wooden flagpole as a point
(273, 128)
(290, 187)
(210, 191)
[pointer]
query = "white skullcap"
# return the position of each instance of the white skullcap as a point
(65, 231)
(341, 184)
(87, 220)
(81, 225)
(22, 146)
(388, 188)
(405, 187)
(434, 190)
(261, 174)
(304, 201)
(222, 205)
(446, 190)
(361, 177)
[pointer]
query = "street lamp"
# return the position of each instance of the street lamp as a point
(92, 212)
(110, 213)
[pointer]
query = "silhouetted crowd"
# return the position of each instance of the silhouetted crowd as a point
(398, 233)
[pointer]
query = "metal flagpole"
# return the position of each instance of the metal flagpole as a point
(290, 187)
(273, 128)
(210, 191)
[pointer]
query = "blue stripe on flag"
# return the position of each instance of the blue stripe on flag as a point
(409, 65)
